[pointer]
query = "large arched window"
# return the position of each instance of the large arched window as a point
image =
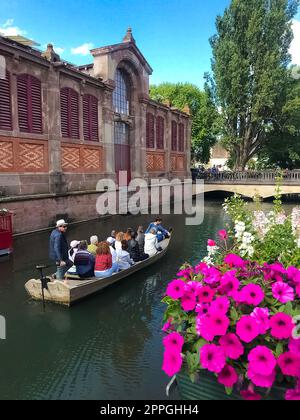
(121, 95)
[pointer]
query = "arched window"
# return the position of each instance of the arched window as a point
(174, 136)
(90, 118)
(160, 132)
(29, 104)
(69, 109)
(5, 104)
(150, 131)
(121, 95)
(181, 138)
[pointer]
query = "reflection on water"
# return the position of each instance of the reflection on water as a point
(106, 347)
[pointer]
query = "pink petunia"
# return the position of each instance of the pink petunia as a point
(283, 292)
(168, 325)
(202, 332)
(212, 358)
(201, 268)
(176, 289)
(228, 377)
(234, 261)
(232, 346)
(202, 308)
(173, 341)
(282, 326)
(193, 287)
(223, 235)
(250, 396)
(253, 294)
(247, 329)
(211, 276)
(298, 290)
(186, 273)
(188, 302)
(229, 283)
(262, 380)
(211, 243)
(215, 324)
(262, 361)
(221, 304)
(289, 364)
(172, 362)
(292, 395)
(293, 274)
(261, 316)
(294, 346)
(206, 294)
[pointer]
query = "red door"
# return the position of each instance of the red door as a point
(122, 152)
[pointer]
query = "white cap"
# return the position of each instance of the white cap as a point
(74, 244)
(60, 223)
(110, 240)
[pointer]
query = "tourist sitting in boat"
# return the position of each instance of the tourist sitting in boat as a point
(104, 266)
(84, 261)
(92, 248)
(72, 253)
(113, 253)
(128, 234)
(123, 257)
(118, 242)
(151, 243)
(112, 238)
(134, 250)
(160, 231)
(141, 238)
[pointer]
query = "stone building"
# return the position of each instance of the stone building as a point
(62, 128)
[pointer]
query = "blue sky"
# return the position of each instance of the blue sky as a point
(172, 34)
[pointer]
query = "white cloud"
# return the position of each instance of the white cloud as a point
(83, 49)
(295, 47)
(8, 29)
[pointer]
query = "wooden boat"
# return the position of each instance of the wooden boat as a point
(72, 290)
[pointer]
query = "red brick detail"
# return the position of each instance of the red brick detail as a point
(23, 155)
(155, 161)
(82, 159)
(178, 162)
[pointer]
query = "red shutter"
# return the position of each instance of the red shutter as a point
(90, 118)
(174, 136)
(181, 138)
(69, 113)
(5, 104)
(150, 131)
(160, 133)
(29, 104)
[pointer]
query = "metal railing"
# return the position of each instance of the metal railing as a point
(250, 177)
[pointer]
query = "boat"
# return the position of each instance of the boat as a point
(72, 289)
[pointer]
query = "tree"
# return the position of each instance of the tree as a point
(250, 77)
(203, 111)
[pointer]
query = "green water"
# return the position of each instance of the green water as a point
(106, 347)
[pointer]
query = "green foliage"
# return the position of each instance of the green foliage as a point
(204, 114)
(251, 81)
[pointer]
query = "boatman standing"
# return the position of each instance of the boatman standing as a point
(161, 232)
(59, 249)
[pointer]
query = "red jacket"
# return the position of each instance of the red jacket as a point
(103, 262)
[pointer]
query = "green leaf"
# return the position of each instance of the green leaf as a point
(279, 350)
(229, 391)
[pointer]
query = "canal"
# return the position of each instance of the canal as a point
(107, 347)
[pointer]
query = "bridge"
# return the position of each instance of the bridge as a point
(252, 183)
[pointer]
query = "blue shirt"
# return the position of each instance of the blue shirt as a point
(157, 228)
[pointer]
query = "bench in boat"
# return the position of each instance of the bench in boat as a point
(72, 289)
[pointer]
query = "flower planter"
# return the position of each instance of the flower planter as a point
(207, 388)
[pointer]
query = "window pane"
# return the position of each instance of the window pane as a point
(121, 94)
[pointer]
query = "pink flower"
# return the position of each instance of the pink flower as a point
(202, 308)
(229, 283)
(206, 294)
(253, 294)
(167, 325)
(232, 346)
(250, 396)
(223, 235)
(262, 380)
(289, 364)
(186, 273)
(282, 326)
(212, 358)
(274, 272)
(247, 329)
(283, 292)
(292, 395)
(202, 332)
(234, 261)
(221, 304)
(193, 287)
(201, 268)
(261, 316)
(262, 361)
(188, 302)
(176, 289)
(293, 274)
(294, 346)
(172, 362)
(211, 243)
(228, 376)
(173, 341)
(298, 290)
(216, 324)
(211, 275)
